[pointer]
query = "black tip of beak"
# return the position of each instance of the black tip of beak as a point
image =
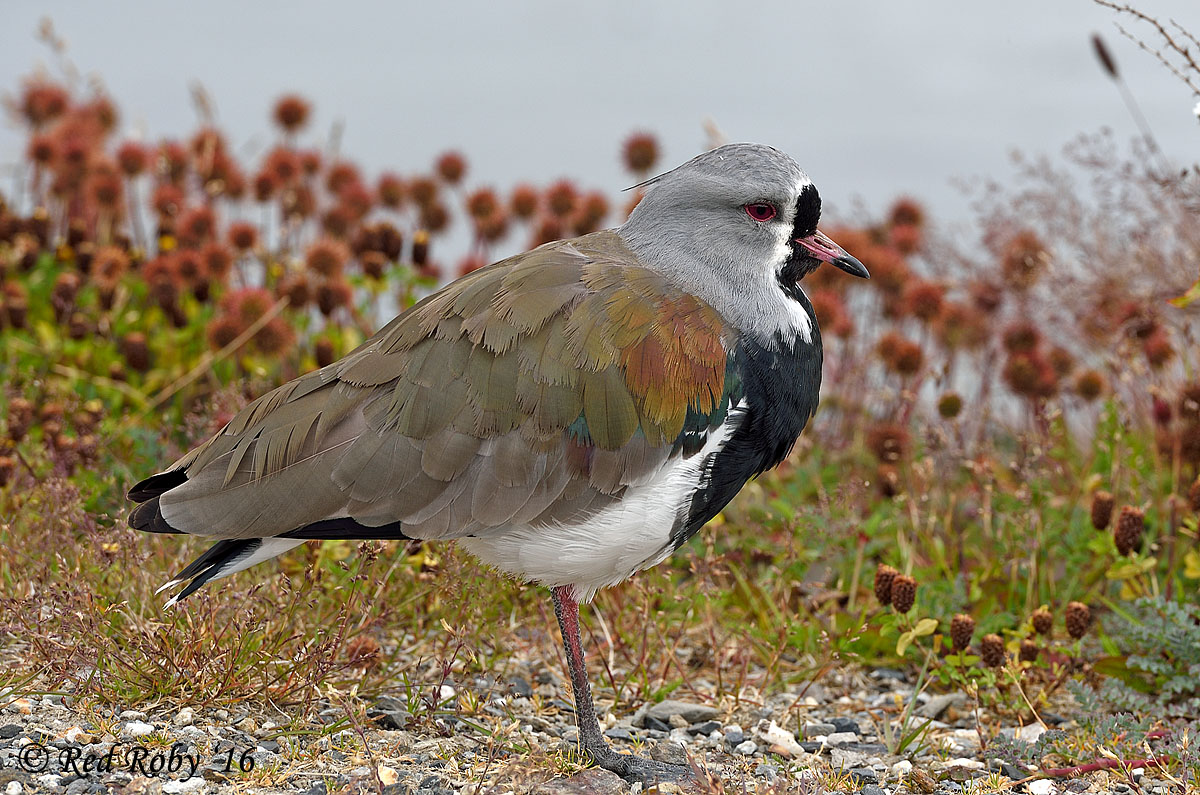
(851, 266)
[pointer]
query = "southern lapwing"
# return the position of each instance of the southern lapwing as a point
(570, 415)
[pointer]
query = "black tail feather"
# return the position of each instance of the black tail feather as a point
(156, 485)
(345, 529)
(148, 518)
(208, 565)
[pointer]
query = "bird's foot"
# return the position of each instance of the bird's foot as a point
(639, 769)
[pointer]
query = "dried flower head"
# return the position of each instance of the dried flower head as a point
(392, 191)
(1194, 495)
(19, 418)
(1189, 403)
(991, 650)
(136, 351)
(1131, 524)
(482, 203)
(420, 252)
(561, 198)
(323, 352)
(8, 468)
(265, 186)
(1024, 259)
(889, 441)
(904, 593)
(888, 479)
(950, 405)
(906, 212)
(906, 238)
(884, 575)
(962, 628)
(435, 217)
(1021, 337)
(243, 236)
(640, 152)
(1089, 385)
(109, 264)
(333, 294)
(296, 288)
(373, 263)
(1157, 348)
(1102, 509)
(327, 257)
(132, 158)
(423, 190)
(1028, 651)
(291, 112)
(451, 167)
(196, 226)
(1043, 621)
(986, 296)
(1078, 619)
(218, 261)
(924, 299)
(167, 200)
(42, 101)
(222, 331)
(524, 201)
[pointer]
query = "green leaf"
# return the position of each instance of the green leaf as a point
(905, 640)
(925, 626)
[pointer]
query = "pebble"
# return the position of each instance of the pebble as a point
(138, 728)
(902, 768)
(191, 785)
(936, 705)
(871, 789)
(734, 734)
(841, 738)
(1026, 734)
(1042, 786)
(767, 771)
(746, 748)
(706, 728)
(663, 710)
(10, 731)
(845, 725)
(812, 730)
(14, 788)
(863, 775)
(185, 717)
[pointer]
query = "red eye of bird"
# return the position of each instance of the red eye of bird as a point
(760, 211)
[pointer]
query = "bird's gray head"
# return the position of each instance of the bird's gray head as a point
(738, 227)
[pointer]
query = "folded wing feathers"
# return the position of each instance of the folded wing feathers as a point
(459, 410)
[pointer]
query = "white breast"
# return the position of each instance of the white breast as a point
(610, 545)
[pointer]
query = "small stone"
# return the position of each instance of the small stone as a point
(1042, 786)
(937, 705)
(764, 770)
(185, 717)
(862, 776)
(221, 715)
(618, 733)
(1027, 734)
(902, 768)
(778, 739)
(248, 725)
(841, 738)
(706, 728)
(871, 789)
(387, 775)
(845, 725)
(76, 734)
(132, 714)
(747, 748)
(10, 731)
(14, 788)
(812, 730)
(593, 780)
(137, 728)
(734, 734)
(446, 692)
(520, 687)
(963, 762)
(190, 785)
(691, 713)
(677, 722)
(270, 746)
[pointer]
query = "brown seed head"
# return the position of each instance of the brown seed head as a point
(42, 101)
(1128, 533)
(423, 190)
(1158, 349)
(1024, 259)
(883, 583)
(392, 191)
(482, 203)
(1106, 59)
(333, 294)
(291, 112)
(991, 650)
(451, 167)
(420, 252)
(640, 152)
(323, 352)
(1029, 651)
(562, 198)
(904, 593)
(296, 288)
(1102, 509)
(962, 627)
(196, 226)
(1194, 496)
(243, 236)
(136, 351)
(363, 651)
(1021, 337)
(924, 299)
(1043, 621)
(1189, 403)
(222, 331)
(327, 257)
(1078, 619)
(132, 158)
(20, 418)
(950, 405)
(1089, 385)
(8, 468)
(889, 441)
(524, 201)
(373, 263)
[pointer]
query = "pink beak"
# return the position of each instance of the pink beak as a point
(821, 248)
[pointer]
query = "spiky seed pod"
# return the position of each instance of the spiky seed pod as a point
(392, 191)
(949, 405)
(323, 351)
(373, 263)
(1029, 651)
(524, 201)
(1102, 509)
(889, 480)
(640, 152)
(962, 628)
(20, 418)
(883, 583)
(136, 351)
(1078, 619)
(1194, 496)
(1043, 621)
(889, 441)
(991, 650)
(291, 112)
(327, 257)
(561, 198)
(451, 167)
(1128, 532)
(8, 467)
(132, 158)
(904, 593)
(420, 251)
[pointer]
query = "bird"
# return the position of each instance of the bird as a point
(570, 415)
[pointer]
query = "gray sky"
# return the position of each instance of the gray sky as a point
(874, 99)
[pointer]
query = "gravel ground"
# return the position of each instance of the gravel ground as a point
(514, 736)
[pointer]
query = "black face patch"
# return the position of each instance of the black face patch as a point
(808, 212)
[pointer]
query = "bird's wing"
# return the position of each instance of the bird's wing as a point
(527, 392)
